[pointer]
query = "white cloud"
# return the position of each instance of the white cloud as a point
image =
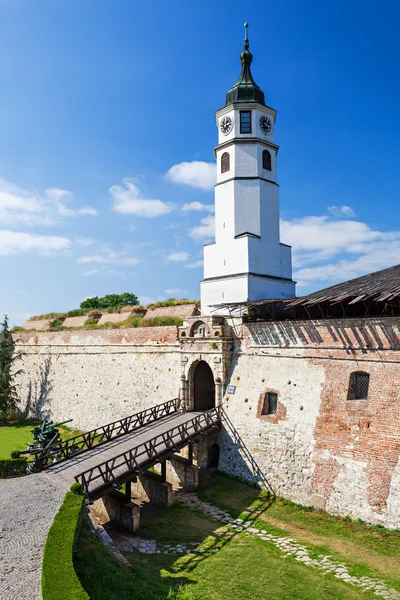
(15, 242)
(351, 247)
(105, 271)
(109, 257)
(20, 207)
(341, 211)
(57, 193)
(197, 206)
(178, 256)
(176, 291)
(127, 199)
(197, 174)
(87, 210)
(194, 265)
(205, 231)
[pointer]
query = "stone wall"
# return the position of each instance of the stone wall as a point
(95, 377)
(319, 448)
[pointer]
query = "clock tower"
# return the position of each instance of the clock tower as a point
(246, 261)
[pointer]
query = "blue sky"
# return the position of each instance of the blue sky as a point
(107, 132)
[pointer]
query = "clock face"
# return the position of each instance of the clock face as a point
(265, 124)
(226, 125)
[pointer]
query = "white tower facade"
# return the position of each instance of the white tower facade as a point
(246, 261)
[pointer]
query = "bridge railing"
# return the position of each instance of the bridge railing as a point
(141, 457)
(85, 441)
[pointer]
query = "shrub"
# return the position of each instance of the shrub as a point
(13, 467)
(160, 321)
(15, 454)
(59, 579)
(172, 302)
(16, 328)
(56, 325)
(48, 316)
(77, 312)
(77, 488)
(91, 321)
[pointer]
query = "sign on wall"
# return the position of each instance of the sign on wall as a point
(231, 389)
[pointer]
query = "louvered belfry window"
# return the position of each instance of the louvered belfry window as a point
(270, 403)
(358, 386)
(225, 162)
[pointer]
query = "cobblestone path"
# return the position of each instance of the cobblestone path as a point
(27, 509)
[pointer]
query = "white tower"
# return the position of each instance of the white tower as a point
(246, 261)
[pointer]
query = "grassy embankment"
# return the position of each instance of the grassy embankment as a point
(241, 566)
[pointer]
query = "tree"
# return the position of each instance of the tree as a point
(111, 301)
(8, 394)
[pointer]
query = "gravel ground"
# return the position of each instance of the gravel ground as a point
(27, 508)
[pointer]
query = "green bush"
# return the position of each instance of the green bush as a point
(160, 321)
(77, 312)
(48, 316)
(56, 324)
(12, 467)
(172, 302)
(15, 454)
(59, 579)
(77, 488)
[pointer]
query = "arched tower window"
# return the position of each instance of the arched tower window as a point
(225, 162)
(358, 386)
(266, 160)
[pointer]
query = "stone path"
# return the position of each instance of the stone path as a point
(27, 509)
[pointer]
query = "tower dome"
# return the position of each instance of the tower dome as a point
(245, 89)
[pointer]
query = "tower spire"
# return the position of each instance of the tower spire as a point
(245, 89)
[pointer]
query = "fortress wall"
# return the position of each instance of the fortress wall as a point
(96, 377)
(320, 448)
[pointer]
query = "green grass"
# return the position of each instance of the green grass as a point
(18, 435)
(235, 496)
(59, 580)
(236, 565)
(15, 437)
(239, 567)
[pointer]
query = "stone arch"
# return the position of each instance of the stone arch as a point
(201, 386)
(199, 329)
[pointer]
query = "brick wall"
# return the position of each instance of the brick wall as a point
(326, 450)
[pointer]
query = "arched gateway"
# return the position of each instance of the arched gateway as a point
(204, 388)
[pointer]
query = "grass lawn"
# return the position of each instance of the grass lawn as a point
(16, 436)
(235, 565)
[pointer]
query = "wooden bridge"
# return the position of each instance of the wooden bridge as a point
(113, 454)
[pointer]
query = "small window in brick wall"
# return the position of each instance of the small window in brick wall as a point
(270, 403)
(358, 386)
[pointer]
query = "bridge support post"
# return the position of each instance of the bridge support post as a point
(153, 488)
(115, 507)
(182, 473)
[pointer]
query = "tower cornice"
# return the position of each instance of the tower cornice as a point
(239, 141)
(245, 106)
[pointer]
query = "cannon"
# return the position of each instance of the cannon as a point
(44, 435)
